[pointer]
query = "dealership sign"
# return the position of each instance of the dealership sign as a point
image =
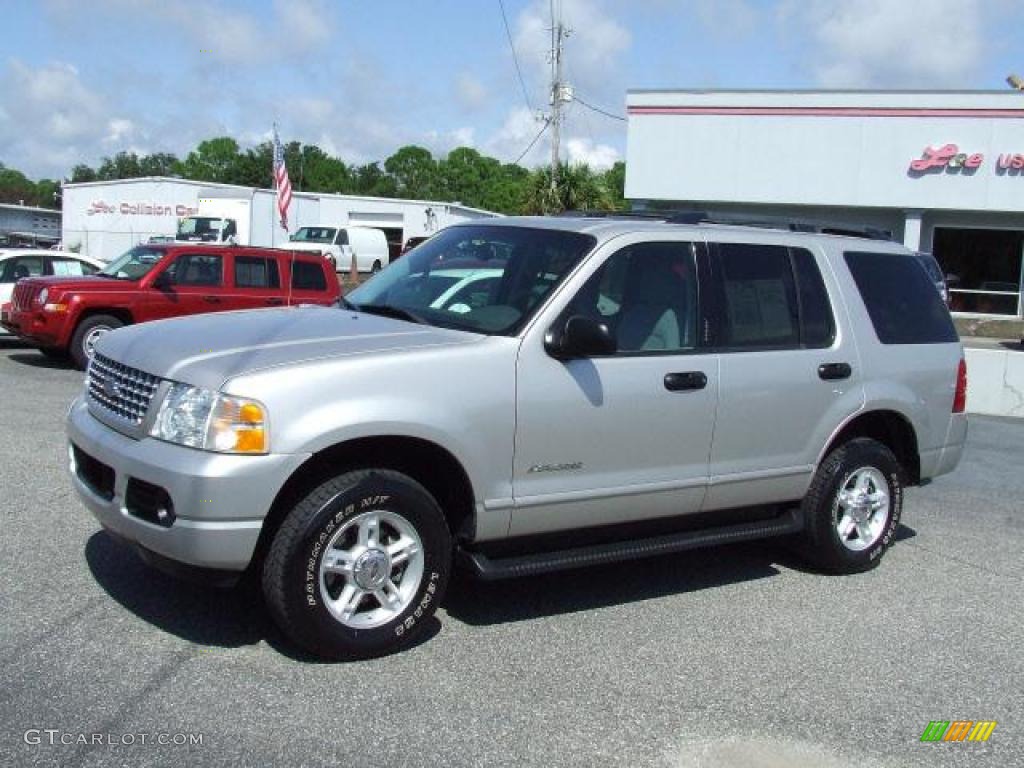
(948, 157)
(140, 209)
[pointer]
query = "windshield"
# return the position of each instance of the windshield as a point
(314, 235)
(204, 228)
(134, 264)
(486, 279)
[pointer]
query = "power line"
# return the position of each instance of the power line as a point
(598, 109)
(515, 58)
(530, 145)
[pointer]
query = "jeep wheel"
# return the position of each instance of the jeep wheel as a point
(87, 334)
(853, 507)
(358, 565)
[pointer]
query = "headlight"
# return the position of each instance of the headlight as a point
(43, 296)
(211, 421)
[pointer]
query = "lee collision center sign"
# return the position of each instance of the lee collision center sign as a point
(949, 158)
(140, 209)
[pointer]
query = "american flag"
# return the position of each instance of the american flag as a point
(282, 183)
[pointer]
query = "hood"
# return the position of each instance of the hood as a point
(85, 283)
(207, 350)
(315, 247)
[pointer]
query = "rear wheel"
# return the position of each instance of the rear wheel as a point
(853, 507)
(359, 565)
(87, 334)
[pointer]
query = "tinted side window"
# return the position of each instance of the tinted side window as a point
(197, 269)
(254, 272)
(901, 300)
(342, 238)
(647, 295)
(759, 299)
(307, 276)
(22, 266)
(817, 326)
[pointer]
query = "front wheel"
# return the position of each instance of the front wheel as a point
(88, 332)
(359, 565)
(853, 507)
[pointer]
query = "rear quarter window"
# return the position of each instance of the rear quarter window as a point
(901, 299)
(308, 276)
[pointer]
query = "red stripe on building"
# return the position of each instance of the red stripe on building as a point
(828, 112)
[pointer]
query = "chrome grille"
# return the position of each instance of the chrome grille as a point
(120, 390)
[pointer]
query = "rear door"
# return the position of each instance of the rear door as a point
(788, 376)
(256, 281)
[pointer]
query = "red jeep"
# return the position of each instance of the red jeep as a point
(64, 316)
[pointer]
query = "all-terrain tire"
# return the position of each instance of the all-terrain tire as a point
(323, 531)
(852, 508)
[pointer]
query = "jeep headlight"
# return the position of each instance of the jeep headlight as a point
(211, 421)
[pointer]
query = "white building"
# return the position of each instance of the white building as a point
(105, 218)
(28, 226)
(941, 171)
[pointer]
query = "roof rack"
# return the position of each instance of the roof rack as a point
(741, 220)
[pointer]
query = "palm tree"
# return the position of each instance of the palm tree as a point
(579, 189)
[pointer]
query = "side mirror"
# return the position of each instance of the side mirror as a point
(579, 336)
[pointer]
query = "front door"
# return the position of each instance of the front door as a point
(622, 437)
(192, 283)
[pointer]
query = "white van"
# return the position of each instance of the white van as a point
(340, 244)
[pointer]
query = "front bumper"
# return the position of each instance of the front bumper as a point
(41, 328)
(219, 501)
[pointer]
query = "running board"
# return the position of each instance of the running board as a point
(491, 569)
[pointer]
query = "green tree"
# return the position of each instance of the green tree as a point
(16, 188)
(370, 179)
(82, 173)
(414, 171)
(123, 165)
(159, 164)
(614, 180)
(579, 189)
(213, 160)
(321, 172)
(48, 194)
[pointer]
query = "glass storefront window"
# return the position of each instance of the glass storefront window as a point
(983, 268)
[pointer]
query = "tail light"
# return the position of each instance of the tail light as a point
(960, 398)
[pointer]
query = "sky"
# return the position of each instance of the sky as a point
(84, 79)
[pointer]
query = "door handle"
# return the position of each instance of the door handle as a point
(211, 299)
(678, 382)
(275, 302)
(833, 371)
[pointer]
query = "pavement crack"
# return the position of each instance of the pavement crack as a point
(961, 561)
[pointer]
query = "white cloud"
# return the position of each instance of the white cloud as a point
(599, 157)
(515, 134)
(595, 42)
(469, 91)
(889, 43)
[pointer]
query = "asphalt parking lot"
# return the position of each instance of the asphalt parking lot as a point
(731, 657)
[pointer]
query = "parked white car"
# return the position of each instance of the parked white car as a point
(367, 245)
(16, 263)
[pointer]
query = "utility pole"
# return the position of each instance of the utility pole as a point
(560, 92)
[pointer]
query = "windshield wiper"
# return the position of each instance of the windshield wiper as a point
(386, 310)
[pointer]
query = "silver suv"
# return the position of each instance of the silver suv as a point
(590, 390)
